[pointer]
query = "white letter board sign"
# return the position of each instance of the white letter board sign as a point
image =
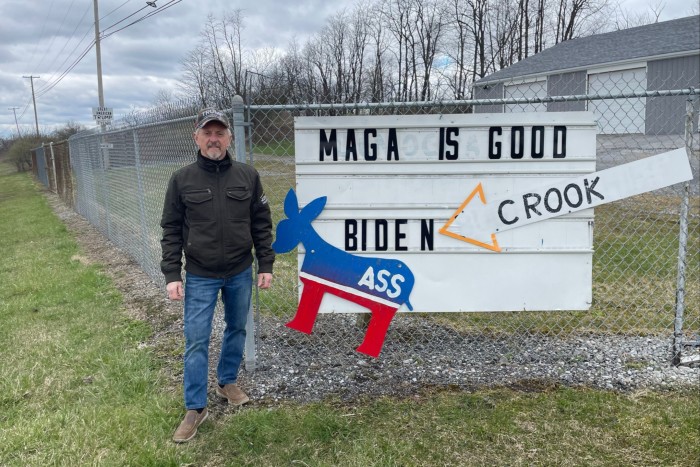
(396, 187)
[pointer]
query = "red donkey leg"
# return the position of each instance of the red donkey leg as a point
(309, 304)
(377, 328)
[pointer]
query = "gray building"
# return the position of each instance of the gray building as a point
(659, 56)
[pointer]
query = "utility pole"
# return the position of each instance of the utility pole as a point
(14, 111)
(100, 93)
(36, 119)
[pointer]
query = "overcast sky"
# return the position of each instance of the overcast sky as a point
(44, 37)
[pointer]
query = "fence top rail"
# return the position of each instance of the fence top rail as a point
(124, 128)
(511, 100)
(378, 105)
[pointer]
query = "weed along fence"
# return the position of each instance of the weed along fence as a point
(596, 287)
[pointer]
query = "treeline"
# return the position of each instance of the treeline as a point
(390, 50)
(17, 148)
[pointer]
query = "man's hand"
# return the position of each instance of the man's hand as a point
(175, 291)
(264, 280)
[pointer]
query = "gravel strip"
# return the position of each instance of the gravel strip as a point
(288, 368)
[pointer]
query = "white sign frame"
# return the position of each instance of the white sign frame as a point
(542, 266)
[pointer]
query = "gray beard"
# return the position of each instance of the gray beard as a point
(215, 157)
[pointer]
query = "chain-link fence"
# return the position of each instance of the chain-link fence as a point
(51, 165)
(645, 262)
(40, 167)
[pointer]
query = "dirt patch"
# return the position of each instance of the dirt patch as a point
(81, 259)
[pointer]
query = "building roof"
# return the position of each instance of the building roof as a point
(679, 36)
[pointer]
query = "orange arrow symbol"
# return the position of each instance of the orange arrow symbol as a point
(493, 246)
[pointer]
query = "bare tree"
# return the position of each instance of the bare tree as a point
(378, 66)
(503, 25)
(457, 48)
(64, 132)
(231, 31)
(163, 97)
(479, 14)
(540, 26)
(573, 18)
(625, 19)
(360, 26)
(217, 68)
(523, 28)
(334, 39)
(398, 50)
(398, 20)
(430, 26)
(321, 69)
(195, 80)
(292, 71)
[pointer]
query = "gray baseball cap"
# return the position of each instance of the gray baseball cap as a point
(210, 114)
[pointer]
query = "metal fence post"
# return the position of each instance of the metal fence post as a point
(42, 166)
(683, 243)
(237, 109)
(53, 167)
(104, 160)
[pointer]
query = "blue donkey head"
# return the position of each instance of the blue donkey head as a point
(297, 226)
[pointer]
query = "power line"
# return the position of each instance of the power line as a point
(48, 82)
(57, 55)
(53, 36)
(52, 84)
(24, 110)
(123, 19)
(127, 1)
(41, 34)
(146, 16)
(64, 46)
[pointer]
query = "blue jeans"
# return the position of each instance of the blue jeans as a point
(201, 294)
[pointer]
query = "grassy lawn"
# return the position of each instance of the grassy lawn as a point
(74, 377)
(490, 427)
(277, 148)
(78, 388)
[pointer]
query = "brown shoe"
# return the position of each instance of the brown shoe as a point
(189, 425)
(233, 393)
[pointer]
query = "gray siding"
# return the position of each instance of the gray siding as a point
(494, 91)
(640, 43)
(672, 73)
(566, 84)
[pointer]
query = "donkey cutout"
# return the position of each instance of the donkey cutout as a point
(378, 284)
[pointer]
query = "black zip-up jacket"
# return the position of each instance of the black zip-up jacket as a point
(216, 212)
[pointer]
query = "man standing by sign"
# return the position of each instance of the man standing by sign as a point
(215, 211)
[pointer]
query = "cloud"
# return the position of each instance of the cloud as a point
(43, 38)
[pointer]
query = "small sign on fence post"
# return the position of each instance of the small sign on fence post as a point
(102, 115)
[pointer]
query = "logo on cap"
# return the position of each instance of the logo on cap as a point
(210, 114)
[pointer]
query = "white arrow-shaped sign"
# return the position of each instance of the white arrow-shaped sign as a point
(479, 222)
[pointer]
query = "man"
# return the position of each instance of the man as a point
(216, 212)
